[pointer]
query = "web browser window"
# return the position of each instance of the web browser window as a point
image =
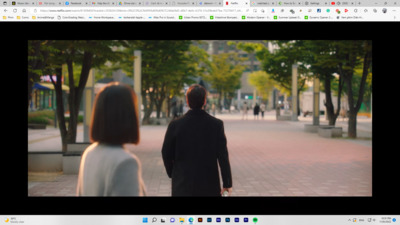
(345, 182)
(200, 10)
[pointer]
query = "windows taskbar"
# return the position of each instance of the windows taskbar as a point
(200, 219)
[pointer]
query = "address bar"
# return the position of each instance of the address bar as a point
(106, 10)
(130, 10)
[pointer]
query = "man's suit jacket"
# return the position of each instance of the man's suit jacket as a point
(193, 147)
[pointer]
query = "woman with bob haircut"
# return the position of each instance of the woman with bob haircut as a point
(107, 168)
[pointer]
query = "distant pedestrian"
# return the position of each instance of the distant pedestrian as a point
(256, 111)
(278, 110)
(175, 111)
(213, 109)
(180, 108)
(195, 150)
(107, 168)
(343, 113)
(262, 108)
(244, 110)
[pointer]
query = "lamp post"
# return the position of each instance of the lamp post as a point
(294, 92)
(88, 98)
(137, 73)
(316, 101)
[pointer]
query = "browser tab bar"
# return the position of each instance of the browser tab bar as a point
(200, 10)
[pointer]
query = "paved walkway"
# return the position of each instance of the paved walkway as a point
(268, 158)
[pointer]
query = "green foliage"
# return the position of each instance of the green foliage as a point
(262, 82)
(80, 119)
(38, 120)
(44, 113)
(278, 64)
(224, 72)
(50, 55)
(248, 47)
(41, 117)
(166, 66)
(162, 61)
(38, 56)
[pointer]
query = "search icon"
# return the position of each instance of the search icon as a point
(154, 220)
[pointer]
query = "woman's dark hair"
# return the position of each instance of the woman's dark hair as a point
(196, 95)
(115, 115)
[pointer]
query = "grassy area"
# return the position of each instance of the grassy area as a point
(46, 117)
(41, 117)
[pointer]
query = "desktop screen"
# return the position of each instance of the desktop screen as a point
(281, 162)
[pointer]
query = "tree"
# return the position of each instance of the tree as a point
(87, 54)
(224, 73)
(323, 61)
(366, 99)
(250, 48)
(38, 54)
(261, 81)
(195, 62)
(166, 66)
(354, 53)
(278, 64)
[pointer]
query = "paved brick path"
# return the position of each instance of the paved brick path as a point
(268, 158)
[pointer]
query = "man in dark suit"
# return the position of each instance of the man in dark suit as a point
(193, 147)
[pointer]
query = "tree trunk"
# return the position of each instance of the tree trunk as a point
(60, 108)
(75, 96)
(339, 98)
(352, 126)
(352, 123)
(148, 109)
(73, 120)
(30, 87)
(168, 107)
(298, 102)
(159, 100)
(328, 101)
(158, 108)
